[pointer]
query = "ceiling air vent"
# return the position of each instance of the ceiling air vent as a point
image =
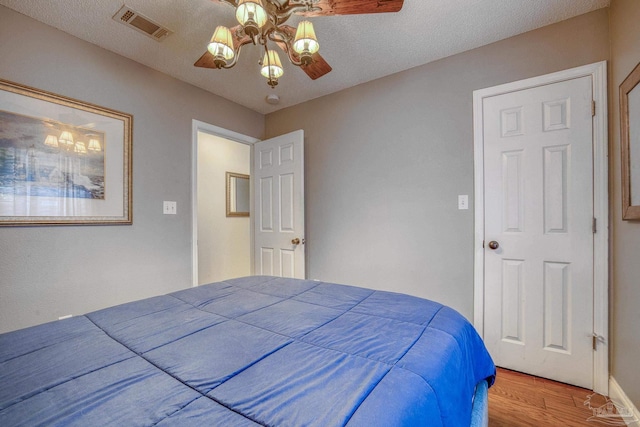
(141, 23)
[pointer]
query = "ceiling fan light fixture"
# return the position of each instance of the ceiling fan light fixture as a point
(263, 22)
(305, 43)
(251, 15)
(221, 46)
(272, 67)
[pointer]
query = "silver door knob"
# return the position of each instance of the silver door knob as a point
(295, 241)
(494, 245)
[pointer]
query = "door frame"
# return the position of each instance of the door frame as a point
(198, 126)
(598, 72)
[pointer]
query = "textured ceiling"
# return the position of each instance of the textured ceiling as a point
(360, 48)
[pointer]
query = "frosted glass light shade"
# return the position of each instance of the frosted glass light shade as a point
(221, 43)
(51, 141)
(271, 65)
(80, 148)
(66, 138)
(305, 40)
(251, 11)
(94, 145)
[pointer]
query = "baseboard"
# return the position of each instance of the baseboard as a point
(623, 403)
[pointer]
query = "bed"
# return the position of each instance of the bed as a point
(249, 352)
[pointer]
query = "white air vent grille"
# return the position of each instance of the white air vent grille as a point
(141, 23)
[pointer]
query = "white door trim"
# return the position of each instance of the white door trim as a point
(598, 72)
(198, 126)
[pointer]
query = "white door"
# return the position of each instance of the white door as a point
(278, 188)
(539, 230)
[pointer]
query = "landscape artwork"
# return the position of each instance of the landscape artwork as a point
(45, 158)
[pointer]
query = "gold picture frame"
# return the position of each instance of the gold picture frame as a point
(238, 194)
(630, 144)
(62, 161)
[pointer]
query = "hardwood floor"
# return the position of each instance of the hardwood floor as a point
(518, 400)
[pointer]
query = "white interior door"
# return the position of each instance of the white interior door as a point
(538, 215)
(278, 188)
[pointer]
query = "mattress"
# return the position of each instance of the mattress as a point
(248, 352)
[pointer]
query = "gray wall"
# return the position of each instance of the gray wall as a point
(625, 265)
(386, 160)
(47, 272)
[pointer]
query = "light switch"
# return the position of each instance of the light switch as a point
(169, 208)
(463, 202)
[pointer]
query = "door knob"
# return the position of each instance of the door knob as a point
(295, 241)
(494, 245)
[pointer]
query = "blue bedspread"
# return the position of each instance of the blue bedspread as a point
(247, 352)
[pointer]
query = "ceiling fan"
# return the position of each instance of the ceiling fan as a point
(262, 22)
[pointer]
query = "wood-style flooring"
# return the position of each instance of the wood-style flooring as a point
(518, 400)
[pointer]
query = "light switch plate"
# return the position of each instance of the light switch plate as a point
(169, 208)
(463, 202)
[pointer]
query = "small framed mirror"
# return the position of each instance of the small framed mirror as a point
(630, 144)
(238, 198)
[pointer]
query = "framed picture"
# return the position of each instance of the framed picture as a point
(238, 194)
(62, 161)
(630, 144)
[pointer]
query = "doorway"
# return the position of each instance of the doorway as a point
(221, 245)
(224, 241)
(276, 243)
(541, 207)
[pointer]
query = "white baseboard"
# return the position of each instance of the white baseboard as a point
(623, 403)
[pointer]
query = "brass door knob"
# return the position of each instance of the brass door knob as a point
(494, 245)
(295, 241)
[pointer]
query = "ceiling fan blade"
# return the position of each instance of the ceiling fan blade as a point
(239, 39)
(205, 61)
(355, 7)
(318, 66)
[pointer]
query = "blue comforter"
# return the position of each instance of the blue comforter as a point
(248, 352)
